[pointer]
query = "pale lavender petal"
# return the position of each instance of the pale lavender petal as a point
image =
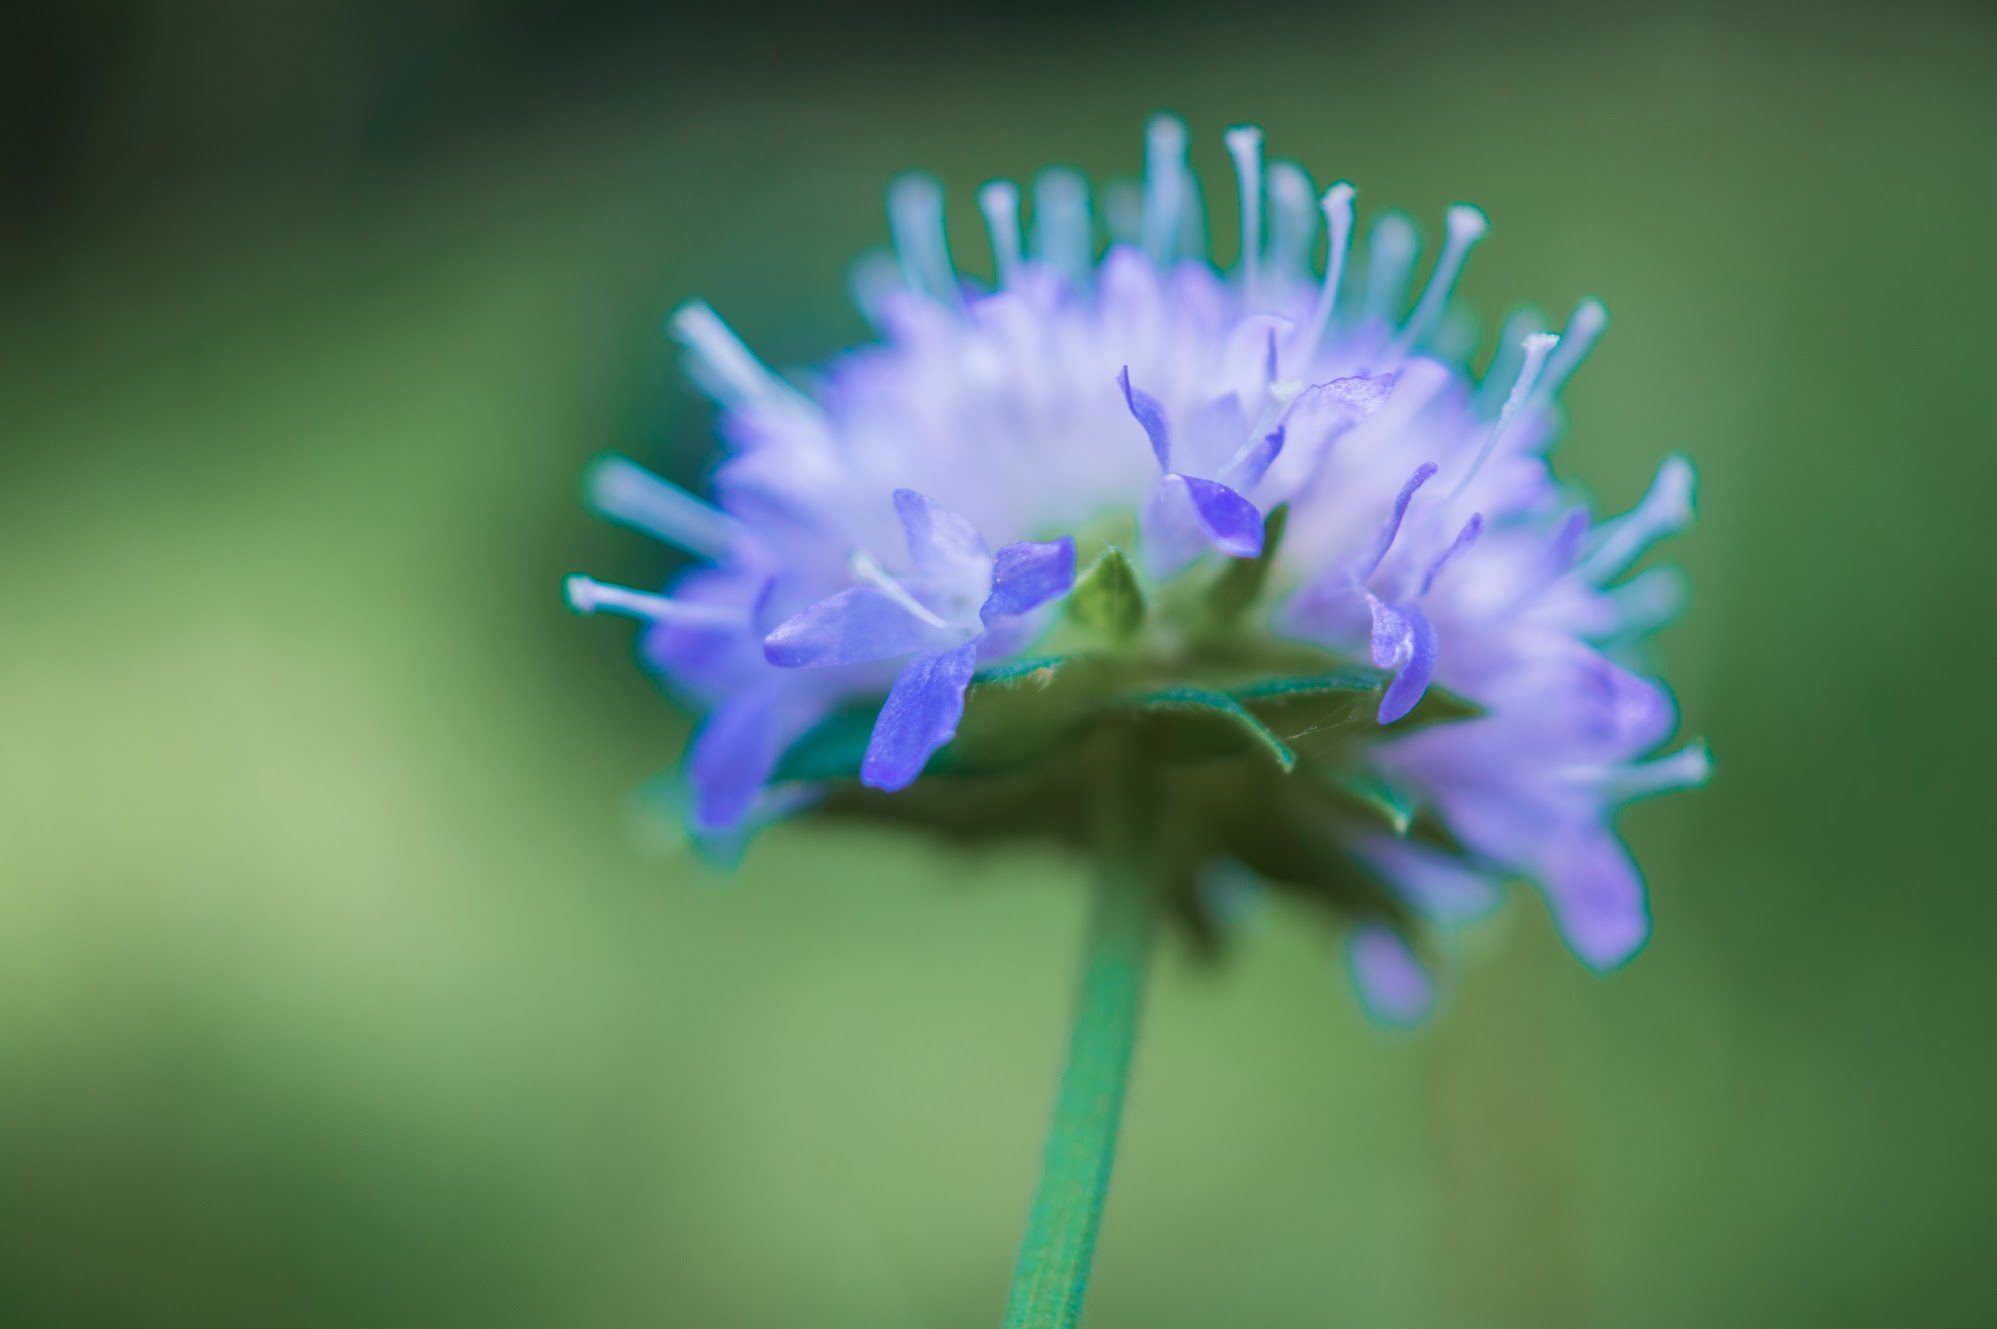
(1403, 640)
(941, 543)
(730, 760)
(1145, 409)
(859, 624)
(1027, 575)
(1597, 897)
(1385, 540)
(1361, 394)
(1444, 888)
(1392, 985)
(1231, 523)
(920, 716)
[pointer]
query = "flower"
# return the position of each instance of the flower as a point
(1279, 478)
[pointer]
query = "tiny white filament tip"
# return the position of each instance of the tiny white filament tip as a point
(999, 201)
(1337, 206)
(1164, 204)
(1244, 144)
(587, 595)
(1464, 227)
(915, 218)
(1537, 346)
(1584, 328)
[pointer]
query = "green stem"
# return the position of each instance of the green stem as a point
(1060, 1242)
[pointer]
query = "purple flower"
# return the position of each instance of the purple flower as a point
(885, 532)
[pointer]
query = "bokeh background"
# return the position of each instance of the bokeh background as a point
(339, 986)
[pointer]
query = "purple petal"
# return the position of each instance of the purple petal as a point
(1393, 987)
(1231, 523)
(858, 624)
(1144, 408)
(1441, 886)
(1027, 575)
(1403, 640)
(1597, 897)
(941, 543)
(920, 716)
(730, 760)
(1385, 540)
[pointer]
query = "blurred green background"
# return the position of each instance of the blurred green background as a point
(338, 987)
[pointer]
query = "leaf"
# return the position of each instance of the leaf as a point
(1221, 706)
(1107, 599)
(1240, 583)
(1394, 806)
(1034, 668)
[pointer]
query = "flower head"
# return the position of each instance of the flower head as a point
(1327, 582)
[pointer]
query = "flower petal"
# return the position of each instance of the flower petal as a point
(1027, 575)
(942, 544)
(1145, 409)
(1404, 641)
(920, 716)
(731, 759)
(1230, 522)
(859, 624)
(1392, 985)
(1597, 897)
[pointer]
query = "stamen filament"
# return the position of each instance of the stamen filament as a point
(626, 492)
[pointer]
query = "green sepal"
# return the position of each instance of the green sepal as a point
(1240, 583)
(1219, 705)
(832, 749)
(1027, 668)
(1390, 804)
(1106, 599)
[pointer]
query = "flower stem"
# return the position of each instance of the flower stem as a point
(1060, 1242)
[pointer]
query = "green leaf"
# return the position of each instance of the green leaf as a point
(1240, 583)
(1354, 679)
(1391, 804)
(1027, 668)
(1219, 705)
(1106, 599)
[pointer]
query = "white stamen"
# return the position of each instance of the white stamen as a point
(1337, 205)
(1463, 229)
(1390, 254)
(1666, 507)
(624, 491)
(915, 218)
(1244, 144)
(1061, 223)
(723, 366)
(1165, 188)
(1584, 328)
(999, 201)
(1292, 219)
(1503, 370)
(586, 595)
(1687, 768)
(868, 568)
(1537, 347)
